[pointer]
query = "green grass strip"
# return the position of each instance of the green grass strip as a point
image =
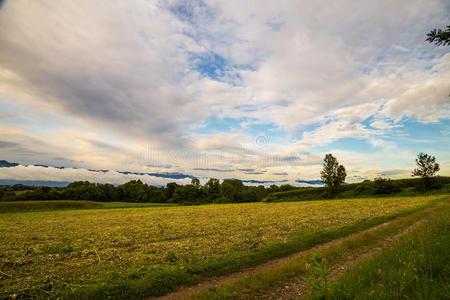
(270, 280)
(47, 205)
(417, 268)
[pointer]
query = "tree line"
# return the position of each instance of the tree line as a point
(213, 191)
(333, 176)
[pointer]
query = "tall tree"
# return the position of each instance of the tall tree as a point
(212, 189)
(231, 190)
(170, 189)
(426, 168)
(333, 174)
(439, 37)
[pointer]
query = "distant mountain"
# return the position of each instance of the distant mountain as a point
(39, 165)
(6, 164)
(45, 166)
(264, 181)
(98, 171)
(34, 182)
(259, 181)
(315, 182)
(171, 175)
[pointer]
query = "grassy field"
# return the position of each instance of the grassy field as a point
(287, 280)
(138, 252)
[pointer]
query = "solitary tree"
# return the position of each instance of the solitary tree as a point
(427, 167)
(439, 37)
(333, 174)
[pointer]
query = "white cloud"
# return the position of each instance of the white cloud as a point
(382, 124)
(69, 174)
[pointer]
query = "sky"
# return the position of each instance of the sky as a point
(254, 90)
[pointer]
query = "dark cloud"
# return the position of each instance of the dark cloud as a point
(60, 158)
(160, 166)
(312, 182)
(360, 178)
(213, 170)
(264, 181)
(280, 174)
(252, 171)
(393, 172)
(2, 2)
(112, 82)
(255, 173)
(103, 146)
(4, 144)
(15, 150)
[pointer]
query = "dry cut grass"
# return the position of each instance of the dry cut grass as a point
(137, 252)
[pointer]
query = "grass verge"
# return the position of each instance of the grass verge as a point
(268, 282)
(47, 205)
(24, 206)
(134, 204)
(417, 268)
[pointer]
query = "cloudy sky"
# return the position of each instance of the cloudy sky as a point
(257, 90)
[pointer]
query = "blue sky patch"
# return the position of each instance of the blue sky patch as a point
(215, 124)
(346, 144)
(210, 65)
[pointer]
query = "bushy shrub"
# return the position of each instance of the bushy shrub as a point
(364, 188)
(384, 186)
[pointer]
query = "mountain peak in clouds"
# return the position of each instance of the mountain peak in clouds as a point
(311, 182)
(6, 164)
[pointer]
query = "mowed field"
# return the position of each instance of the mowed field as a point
(139, 252)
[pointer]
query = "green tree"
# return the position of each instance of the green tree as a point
(231, 190)
(109, 192)
(261, 192)
(249, 195)
(156, 195)
(273, 188)
(426, 168)
(196, 183)
(333, 174)
(212, 189)
(170, 189)
(133, 191)
(439, 37)
(187, 194)
(286, 187)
